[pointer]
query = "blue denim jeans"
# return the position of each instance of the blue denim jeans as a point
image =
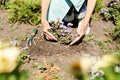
(74, 14)
(81, 13)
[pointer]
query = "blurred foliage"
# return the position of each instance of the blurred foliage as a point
(107, 68)
(21, 37)
(27, 11)
(3, 3)
(15, 75)
(1, 25)
(111, 12)
(23, 58)
(47, 71)
(99, 5)
(9, 68)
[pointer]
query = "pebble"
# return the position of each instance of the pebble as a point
(24, 48)
(14, 43)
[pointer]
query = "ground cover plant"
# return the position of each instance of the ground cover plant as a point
(48, 71)
(3, 3)
(106, 68)
(27, 11)
(112, 12)
(1, 25)
(61, 32)
(9, 68)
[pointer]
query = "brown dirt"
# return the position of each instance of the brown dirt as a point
(59, 54)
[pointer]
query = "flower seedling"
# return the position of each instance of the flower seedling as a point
(61, 32)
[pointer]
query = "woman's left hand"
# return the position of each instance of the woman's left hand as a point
(81, 32)
(82, 29)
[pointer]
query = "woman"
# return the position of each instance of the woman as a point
(53, 9)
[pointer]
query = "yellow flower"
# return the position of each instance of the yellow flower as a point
(86, 63)
(8, 57)
(83, 65)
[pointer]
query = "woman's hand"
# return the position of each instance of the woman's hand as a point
(45, 24)
(81, 32)
(90, 8)
(46, 27)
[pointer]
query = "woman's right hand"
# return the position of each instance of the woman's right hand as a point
(46, 27)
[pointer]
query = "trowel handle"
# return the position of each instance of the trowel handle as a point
(35, 30)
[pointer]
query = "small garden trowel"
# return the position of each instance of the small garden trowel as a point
(31, 39)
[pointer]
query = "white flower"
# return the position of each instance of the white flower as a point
(8, 57)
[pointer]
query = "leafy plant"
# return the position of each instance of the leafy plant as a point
(27, 11)
(3, 3)
(115, 33)
(96, 41)
(15, 75)
(99, 5)
(1, 27)
(112, 13)
(61, 32)
(48, 71)
(22, 37)
(24, 57)
(9, 68)
(13, 27)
